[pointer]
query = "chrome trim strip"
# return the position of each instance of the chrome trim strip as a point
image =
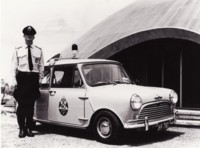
(84, 119)
(59, 123)
(146, 123)
(83, 98)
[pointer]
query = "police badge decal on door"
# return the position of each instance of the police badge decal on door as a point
(63, 106)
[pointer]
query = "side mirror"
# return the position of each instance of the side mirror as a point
(126, 80)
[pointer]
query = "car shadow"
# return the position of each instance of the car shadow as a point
(131, 138)
(145, 138)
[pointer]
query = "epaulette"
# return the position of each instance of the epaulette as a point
(38, 47)
(18, 47)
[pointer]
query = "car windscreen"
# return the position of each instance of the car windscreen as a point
(105, 74)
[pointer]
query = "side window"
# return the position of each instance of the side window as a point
(63, 77)
(46, 80)
(78, 83)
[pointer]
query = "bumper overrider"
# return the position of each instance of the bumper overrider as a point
(146, 123)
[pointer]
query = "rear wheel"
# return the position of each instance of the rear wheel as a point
(106, 127)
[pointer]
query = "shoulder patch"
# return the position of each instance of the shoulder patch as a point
(38, 47)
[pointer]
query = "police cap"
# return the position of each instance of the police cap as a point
(29, 30)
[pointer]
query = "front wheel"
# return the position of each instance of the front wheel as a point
(106, 127)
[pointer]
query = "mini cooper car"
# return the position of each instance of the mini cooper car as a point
(99, 94)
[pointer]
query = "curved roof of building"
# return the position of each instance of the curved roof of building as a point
(141, 21)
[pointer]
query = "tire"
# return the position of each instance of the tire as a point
(106, 127)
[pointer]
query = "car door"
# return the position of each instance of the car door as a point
(42, 103)
(66, 99)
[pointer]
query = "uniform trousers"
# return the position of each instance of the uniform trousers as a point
(26, 94)
(25, 115)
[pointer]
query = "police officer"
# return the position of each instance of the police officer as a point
(27, 72)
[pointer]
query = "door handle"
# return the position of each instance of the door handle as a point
(52, 93)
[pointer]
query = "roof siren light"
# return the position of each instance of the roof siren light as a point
(74, 51)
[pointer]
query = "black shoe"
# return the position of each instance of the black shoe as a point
(22, 133)
(29, 133)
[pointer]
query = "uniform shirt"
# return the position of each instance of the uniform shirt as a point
(20, 61)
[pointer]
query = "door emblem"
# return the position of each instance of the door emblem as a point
(63, 106)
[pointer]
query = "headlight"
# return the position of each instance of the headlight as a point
(136, 101)
(173, 97)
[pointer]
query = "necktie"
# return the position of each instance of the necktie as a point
(30, 59)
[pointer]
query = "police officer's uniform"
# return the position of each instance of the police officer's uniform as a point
(27, 81)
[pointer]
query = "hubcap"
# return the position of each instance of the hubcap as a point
(104, 127)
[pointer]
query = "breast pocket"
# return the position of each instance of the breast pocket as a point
(36, 58)
(22, 58)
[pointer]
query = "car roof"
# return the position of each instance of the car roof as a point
(78, 61)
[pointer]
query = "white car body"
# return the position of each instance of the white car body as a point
(78, 107)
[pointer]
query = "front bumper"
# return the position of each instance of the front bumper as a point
(133, 124)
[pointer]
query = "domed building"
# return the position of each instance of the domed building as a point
(158, 42)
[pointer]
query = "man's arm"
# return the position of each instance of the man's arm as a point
(14, 65)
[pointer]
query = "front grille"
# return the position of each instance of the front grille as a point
(155, 111)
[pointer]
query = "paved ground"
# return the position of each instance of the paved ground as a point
(54, 136)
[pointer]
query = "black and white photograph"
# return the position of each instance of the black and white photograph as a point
(100, 73)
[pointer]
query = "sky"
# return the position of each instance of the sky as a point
(58, 24)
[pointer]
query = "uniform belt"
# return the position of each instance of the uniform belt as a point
(28, 73)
